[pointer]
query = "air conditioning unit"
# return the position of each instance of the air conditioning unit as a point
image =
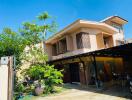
(4, 60)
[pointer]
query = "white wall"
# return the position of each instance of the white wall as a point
(3, 82)
(118, 36)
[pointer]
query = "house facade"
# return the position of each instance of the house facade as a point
(84, 36)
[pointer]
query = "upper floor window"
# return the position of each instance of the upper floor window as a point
(117, 26)
(54, 49)
(63, 45)
(106, 42)
(59, 47)
(83, 40)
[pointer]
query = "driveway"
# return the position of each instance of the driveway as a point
(76, 93)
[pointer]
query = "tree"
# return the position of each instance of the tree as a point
(14, 44)
(34, 56)
(43, 17)
(35, 33)
(38, 69)
(11, 43)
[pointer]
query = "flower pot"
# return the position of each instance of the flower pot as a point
(39, 91)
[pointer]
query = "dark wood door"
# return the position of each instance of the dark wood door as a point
(74, 72)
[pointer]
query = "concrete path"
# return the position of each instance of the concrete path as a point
(77, 93)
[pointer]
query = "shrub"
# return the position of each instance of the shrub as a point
(20, 87)
(35, 72)
(52, 77)
(47, 73)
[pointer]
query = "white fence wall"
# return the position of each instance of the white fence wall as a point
(3, 82)
(6, 80)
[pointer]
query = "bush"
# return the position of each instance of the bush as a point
(52, 77)
(35, 72)
(19, 88)
(45, 76)
(47, 73)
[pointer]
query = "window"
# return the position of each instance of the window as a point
(79, 40)
(106, 42)
(119, 27)
(54, 49)
(83, 40)
(59, 47)
(63, 46)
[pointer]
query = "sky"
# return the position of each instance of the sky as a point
(14, 12)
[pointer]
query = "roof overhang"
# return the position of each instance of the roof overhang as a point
(80, 24)
(116, 19)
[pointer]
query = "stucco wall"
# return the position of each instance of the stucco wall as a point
(48, 50)
(3, 82)
(6, 78)
(118, 36)
(94, 41)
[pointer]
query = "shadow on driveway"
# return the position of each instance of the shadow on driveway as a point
(115, 90)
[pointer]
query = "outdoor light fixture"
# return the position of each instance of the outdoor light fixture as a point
(4, 60)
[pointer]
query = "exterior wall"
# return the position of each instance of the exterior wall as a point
(118, 36)
(93, 42)
(72, 53)
(111, 41)
(69, 41)
(96, 41)
(3, 82)
(6, 79)
(72, 46)
(100, 41)
(98, 36)
(48, 50)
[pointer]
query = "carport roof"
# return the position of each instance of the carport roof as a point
(116, 51)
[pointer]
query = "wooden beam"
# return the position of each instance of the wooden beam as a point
(96, 74)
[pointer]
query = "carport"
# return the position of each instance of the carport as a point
(123, 51)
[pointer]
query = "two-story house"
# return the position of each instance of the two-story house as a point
(84, 36)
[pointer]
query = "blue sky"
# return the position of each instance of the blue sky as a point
(14, 12)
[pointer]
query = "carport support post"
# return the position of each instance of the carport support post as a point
(95, 68)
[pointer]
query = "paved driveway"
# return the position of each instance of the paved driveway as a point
(87, 94)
